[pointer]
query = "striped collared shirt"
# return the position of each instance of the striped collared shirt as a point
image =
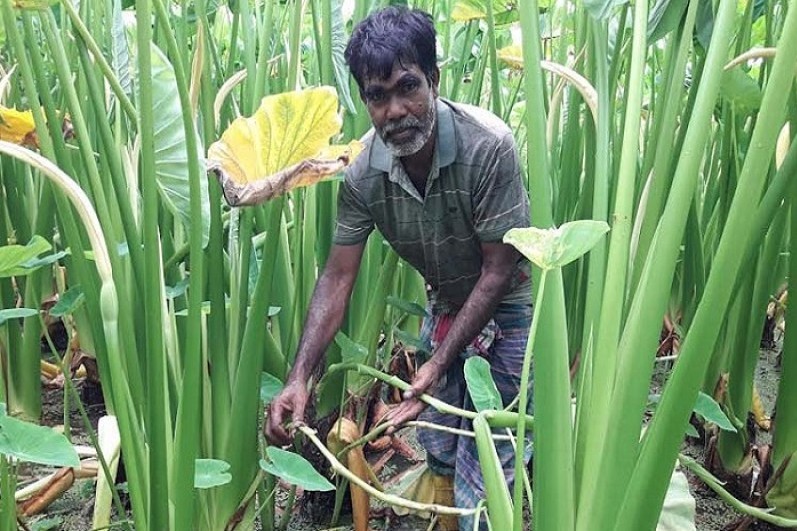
(474, 194)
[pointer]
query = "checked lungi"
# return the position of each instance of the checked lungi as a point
(503, 343)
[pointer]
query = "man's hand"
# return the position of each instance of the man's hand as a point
(327, 307)
(424, 382)
(292, 402)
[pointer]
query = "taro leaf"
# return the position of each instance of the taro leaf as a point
(37, 5)
(35, 444)
(504, 12)
(708, 408)
(36, 263)
(68, 302)
(704, 22)
(294, 469)
(190, 15)
(664, 17)
(209, 473)
(741, 90)
(601, 10)
(172, 292)
(171, 155)
(412, 308)
(16, 313)
(691, 431)
(678, 513)
(15, 126)
(759, 9)
(481, 385)
(410, 340)
(47, 524)
(14, 257)
(552, 248)
(284, 145)
(338, 62)
(270, 386)
(350, 351)
(120, 52)
(512, 55)
(222, 27)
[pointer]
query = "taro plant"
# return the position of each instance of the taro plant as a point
(210, 298)
(652, 199)
(783, 495)
(22, 441)
(126, 96)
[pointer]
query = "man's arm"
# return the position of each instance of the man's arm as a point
(324, 317)
(498, 265)
(327, 307)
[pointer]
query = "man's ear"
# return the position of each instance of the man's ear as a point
(434, 81)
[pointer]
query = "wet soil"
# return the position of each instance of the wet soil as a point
(72, 512)
(712, 513)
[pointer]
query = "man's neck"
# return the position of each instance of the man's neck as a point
(419, 164)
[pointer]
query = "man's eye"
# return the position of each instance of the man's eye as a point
(376, 97)
(409, 87)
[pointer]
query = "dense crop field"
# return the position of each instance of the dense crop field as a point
(669, 123)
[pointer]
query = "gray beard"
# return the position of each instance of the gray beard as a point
(424, 126)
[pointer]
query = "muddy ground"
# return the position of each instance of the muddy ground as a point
(73, 511)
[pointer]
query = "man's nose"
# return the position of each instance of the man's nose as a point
(396, 109)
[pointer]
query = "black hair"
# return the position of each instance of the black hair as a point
(390, 35)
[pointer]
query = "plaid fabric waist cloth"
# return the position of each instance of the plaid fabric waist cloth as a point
(503, 343)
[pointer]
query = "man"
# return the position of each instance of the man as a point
(441, 181)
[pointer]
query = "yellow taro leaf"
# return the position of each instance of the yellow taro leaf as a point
(464, 13)
(512, 55)
(285, 144)
(329, 161)
(16, 126)
(33, 4)
(504, 11)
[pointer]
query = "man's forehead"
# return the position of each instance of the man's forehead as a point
(399, 71)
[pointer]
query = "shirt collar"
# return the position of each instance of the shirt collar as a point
(446, 146)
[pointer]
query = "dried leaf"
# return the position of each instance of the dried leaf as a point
(284, 145)
(60, 483)
(16, 126)
(759, 413)
(512, 55)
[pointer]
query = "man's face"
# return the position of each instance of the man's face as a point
(402, 108)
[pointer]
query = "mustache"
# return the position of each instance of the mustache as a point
(400, 125)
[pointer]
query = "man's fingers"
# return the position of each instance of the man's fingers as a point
(298, 416)
(418, 387)
(275, 431)
(405, 412)
(422, 382)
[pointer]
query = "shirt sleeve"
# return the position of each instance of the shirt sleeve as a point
(500, 199)
(354, 222)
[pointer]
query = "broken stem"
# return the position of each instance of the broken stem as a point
(391, 499)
